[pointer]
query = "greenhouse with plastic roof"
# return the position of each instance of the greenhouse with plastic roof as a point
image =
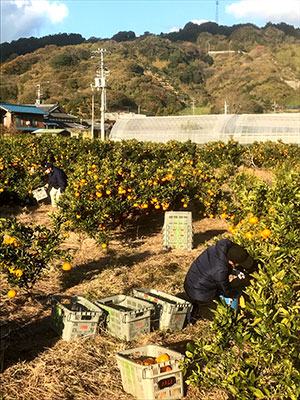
(243, 128)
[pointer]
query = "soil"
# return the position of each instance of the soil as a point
(39, 365)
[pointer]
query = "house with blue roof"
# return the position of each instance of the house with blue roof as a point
(22, 118)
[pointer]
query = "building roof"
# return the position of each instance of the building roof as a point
(50, 131)
(47, 107)
(17, 108)
(61, 115)
(25, 128)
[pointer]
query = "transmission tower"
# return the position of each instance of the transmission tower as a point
(217, 12)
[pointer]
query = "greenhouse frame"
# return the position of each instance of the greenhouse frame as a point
(243, 128)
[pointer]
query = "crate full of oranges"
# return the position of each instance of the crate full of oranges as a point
(151, 372)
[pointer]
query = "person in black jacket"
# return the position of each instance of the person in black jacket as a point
(208, 276)
(57, 182)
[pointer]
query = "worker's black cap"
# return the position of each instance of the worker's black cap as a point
(239, 255)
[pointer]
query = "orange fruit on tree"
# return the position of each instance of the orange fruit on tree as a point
(162, 358)
(11, 293)
(253, 220)
(66, 266)
(266, 233)
(248, 235)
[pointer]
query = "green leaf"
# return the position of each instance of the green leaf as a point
(257, 392)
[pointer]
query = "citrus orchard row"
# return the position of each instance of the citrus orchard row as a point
(255, 353)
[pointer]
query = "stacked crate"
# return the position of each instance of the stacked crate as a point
(127, 317)
(178, 230)
(170, 311)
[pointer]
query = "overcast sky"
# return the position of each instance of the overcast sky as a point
(102, 18)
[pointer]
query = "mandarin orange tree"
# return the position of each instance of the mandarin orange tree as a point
(23, 157)
(136, 178)
(254, 353)
(26, 251)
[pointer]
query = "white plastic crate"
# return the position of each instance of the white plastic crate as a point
(178, 230)
(151, 382)
(178, 217)
(127, 317)
(74, 317)
(40, 193)
(170, 311)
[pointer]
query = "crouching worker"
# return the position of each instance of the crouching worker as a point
(57, 182)
(208, 277)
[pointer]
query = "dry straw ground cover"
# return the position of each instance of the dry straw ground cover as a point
(40, 366)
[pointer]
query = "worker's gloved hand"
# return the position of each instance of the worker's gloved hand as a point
(241, 275)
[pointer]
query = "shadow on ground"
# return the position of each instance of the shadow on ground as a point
(28, 340)
(84, 272)
(202, 237)
(137, 228)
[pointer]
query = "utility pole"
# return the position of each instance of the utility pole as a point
(274, 106)
(225, 107)
(193, 106)
(100, 83)
(93, 110)
(38, 94)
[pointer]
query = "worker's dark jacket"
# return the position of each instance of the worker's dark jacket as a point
(58, 179)
(208, 276)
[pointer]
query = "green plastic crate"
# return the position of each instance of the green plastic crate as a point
(4, 337)
(170, 311)
(149, 382)
(74, 317)
(127, 317)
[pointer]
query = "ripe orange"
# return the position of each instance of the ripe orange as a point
(149, 361)
(266, 233)
(18, 273)
(104, 245)
(248, 235)
(11, 293)
(166, 369)
(162, 358)
(253, 220)
(66, 266)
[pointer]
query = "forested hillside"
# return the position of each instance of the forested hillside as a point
(164, 74)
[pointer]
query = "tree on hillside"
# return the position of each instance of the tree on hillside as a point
(124, 36)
